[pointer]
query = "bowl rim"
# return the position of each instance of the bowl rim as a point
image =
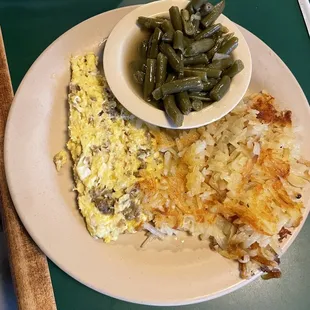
(114, 64)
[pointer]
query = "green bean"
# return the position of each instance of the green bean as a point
(221, 64)
(166, 26)
(199, 73)
(199, 47)
(207, 86)
(143, 49)
(173, 111)
(213, 15)
(171, 77)
(227, 37)
(138, 65)
(187, 41)
(196, 60)
(189, 27)
(139, 77)
(205, 100)
(224, 29)
(190, 9)
(208, 32)
(197, 67)
(197, 104)
(185, 15)
(149, 23)
(175, 18)
(196, 23)
(211, 73)
(161, 69)
(215, 48)
(157, 93)
(168, 37)
(220, 89)
(196, 4)
(153, 51)
(149, 44)
(204, 97)
(149, 81)
(183, 102)
(197, 94)
(168, 31)
(174, 60)
(158, 104)
(229, 46)
(178, 41)
(177, 86)
(206, 9)
(237, 67)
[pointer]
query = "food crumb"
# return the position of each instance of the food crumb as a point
(60, 159)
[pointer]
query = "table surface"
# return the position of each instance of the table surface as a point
(29, 26)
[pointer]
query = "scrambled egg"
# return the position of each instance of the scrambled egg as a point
(111, 151)
(60, 159)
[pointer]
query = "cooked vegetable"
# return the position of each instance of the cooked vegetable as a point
(189, 27)
(218, 56)
(187, 41)
(208, 32)
(184, 102)
(196, 4)
(161, 69)
(224, 29)
(196, 60)
(175, 18)
(214, 14)
(178, 41)
(197, 104)
(215, 48)
(143, 49)
(174, 60)
(227, 37)
(157, 93)
(186, 61)
(171, 77)
(211, 73)
(149, 80)
(177, 86)
(205, 99)
(207, 86)
(190, 8)
(168, 31)
(221, 64)
(229, 46)
(138, 65)
(149, 23)
(206, 9)
(199, 73)
(237, 67)
(220, 89)
(139, 77)
(173, 111)
(153, 51)
(199, 47)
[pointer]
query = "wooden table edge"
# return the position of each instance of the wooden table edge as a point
(28, 264)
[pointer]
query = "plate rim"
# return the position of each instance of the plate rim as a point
(63, 268)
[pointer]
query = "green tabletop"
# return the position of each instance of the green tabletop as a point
(29, 26)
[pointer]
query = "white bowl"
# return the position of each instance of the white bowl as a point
(121, 49)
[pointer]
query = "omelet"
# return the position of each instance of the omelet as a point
(112, 153)
(60, 159)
